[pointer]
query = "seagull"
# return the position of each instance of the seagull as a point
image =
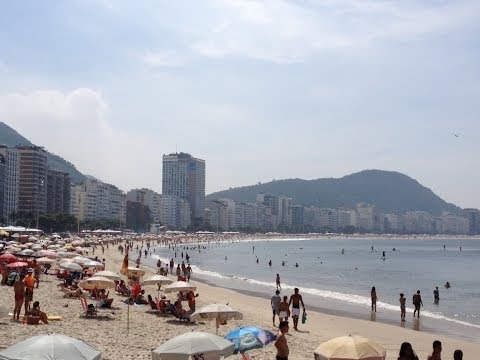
(456, 135)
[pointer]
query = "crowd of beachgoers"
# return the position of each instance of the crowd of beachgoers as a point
(96, 288)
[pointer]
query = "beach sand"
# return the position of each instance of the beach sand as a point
(147, 331)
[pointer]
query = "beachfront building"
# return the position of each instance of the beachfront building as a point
(174, 212)
(2, 186)
(11, 181)
(366, 216)
(418, 222)
(393, 223)
(473, 216)
(58, 192)
(451, 224)
(148, 198)
(184, 176)
(96, 200)
(216, 215)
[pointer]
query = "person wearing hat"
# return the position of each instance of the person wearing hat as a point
(29, 285)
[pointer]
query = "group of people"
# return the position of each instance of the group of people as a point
(23, 296)
(281, 308)
(407, 352)
(416, 300)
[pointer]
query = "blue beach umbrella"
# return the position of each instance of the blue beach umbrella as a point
(250, 337)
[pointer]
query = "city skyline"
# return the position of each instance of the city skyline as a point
(260, 90)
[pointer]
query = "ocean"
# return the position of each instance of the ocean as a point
(340, 284)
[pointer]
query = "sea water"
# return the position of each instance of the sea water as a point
(339, 282)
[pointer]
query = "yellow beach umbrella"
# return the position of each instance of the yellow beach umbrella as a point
(350, 348)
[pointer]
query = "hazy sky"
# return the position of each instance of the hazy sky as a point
(261, 90)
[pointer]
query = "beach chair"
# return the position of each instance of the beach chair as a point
(175, 313)
(89, 309)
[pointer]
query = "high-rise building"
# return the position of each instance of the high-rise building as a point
(2, 186)
(148, 198)
(58, 192)
(184, 176)
(32, 184)
(473, 216)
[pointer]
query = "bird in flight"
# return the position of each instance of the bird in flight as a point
(456, 135)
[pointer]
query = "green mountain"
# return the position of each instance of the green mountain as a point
(10, 137)
(389, 191)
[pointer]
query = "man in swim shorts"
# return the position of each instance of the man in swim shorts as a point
(284, 309)
(19, 290)
(295, 301)
(275, 302)
(417, 301)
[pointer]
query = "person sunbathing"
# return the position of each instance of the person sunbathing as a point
(36, 312)
(179, 308)
(140, 299)
(122, 288)
(105, 301)
(152, 304)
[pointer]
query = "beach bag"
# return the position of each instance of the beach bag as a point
(304, 317)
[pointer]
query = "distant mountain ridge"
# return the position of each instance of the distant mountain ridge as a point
(389, 191)
(11, 137)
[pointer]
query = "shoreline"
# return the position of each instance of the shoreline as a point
(147, 331)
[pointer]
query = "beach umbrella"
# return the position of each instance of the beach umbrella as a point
(25, 252)
(218, 312)
(17, 264)
(51, 346)
(32, 238)
(71, 266)
(13, 249)
(81, 259)
(248, 338)
(96, 282)
(16, 235)
(180, 286)
(49, 253)
(157, 280)
(3, 233)
(350, 348)
(45, 260)
(64, 254)
(9, 258)
(196, 345)
(92, 264)
(28, 244)
(109, 275)
(37, 247)
(132, 271)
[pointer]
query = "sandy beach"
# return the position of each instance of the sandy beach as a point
(147, 330)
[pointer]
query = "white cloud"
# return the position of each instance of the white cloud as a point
(283, 31)
(75, 125)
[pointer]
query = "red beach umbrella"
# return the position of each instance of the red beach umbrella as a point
(9, 258)
(17, 264)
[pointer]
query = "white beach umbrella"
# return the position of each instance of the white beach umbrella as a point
(350, 348)
(32, 238)
(37, 247)
(81, 260)
(204, 345)
(96, 282)
(157, 280)
(71, 266)
(49, 253)
(92, 264)
(180, 286)
(25, 252)
(28, 244)
(52, 346)
(109, 275)
(65, 254)
(218, 312)
(13, 250)
(133, 271)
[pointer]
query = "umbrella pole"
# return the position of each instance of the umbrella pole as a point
(217, 325)
(128, 315)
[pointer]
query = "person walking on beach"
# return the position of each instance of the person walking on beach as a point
(437, 351)
(402, 307)
(284, 309)
(279, 287)
(19, 290)
(295, 300)
(275, 302)
(281, 342)
(417, 301)
(373, 295)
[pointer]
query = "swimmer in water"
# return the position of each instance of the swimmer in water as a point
(296, 265)
(270, 263)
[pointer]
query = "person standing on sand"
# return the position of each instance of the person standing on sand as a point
(417, 301)
(281, 342)
(29, 286)
(437, 351)
(275, 302)
(373, 295)
(284, 309)
(295, 300)
(279, 287)
(402, 306)
(19, 290)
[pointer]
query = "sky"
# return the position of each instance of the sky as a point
(260, 90)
